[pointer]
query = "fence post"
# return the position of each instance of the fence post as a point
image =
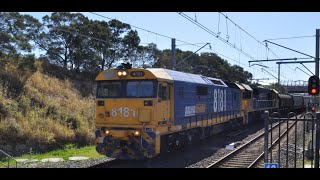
(265, 116)
(316, 162)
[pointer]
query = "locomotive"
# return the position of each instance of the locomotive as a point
(141, 113)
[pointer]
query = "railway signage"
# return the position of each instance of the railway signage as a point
(271, 165)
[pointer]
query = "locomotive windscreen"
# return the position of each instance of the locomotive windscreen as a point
(122, 89)
(140, 89)
(109, 89)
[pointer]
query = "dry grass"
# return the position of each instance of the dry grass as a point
(46, 110)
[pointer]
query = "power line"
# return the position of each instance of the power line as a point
(252, 37)
(185, 43)
(74, 32)
(133, 26)
(193, 53)
(189, 44)
(289, 49)
(216, 35)
(297, 37)
(242, 63)
(241, 28)
(248, 34)
(213, 33)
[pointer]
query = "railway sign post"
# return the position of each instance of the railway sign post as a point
(271, 165)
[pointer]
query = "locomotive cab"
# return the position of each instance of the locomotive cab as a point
(130, 104)
(124, 113)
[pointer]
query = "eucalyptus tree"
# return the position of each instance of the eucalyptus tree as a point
(100, 44)
(125, 42)
(15, 30)
(146, 56)
(61, 37)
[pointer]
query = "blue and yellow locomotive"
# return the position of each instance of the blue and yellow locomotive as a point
(141, 113)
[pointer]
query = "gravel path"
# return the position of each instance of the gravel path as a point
(64, 164)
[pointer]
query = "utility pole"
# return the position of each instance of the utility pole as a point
(173, 54)
(317, 52)
(278, 73)
(316, 162)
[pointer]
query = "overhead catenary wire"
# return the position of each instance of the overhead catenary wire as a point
(227, 36)
(182, 40)
(296, 37)
(212, 33)
(143, 29)
(251, 37)
(245, 31)
(158, 34)
(163, 35)
(186, 43)
(218, 25)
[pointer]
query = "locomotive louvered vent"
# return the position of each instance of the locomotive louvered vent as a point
(202, 91)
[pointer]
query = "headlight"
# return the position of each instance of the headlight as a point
(122, 73)
(136, 133)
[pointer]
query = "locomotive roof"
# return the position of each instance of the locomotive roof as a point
(240, 87)
(168, 74)
(247, 87)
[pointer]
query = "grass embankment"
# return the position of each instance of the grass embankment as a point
(41, 107)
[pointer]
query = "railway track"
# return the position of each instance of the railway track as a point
(250, 154)
(172, 160)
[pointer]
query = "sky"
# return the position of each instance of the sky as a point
(259, 25)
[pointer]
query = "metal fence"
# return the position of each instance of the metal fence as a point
(294, 143)
(9, 157)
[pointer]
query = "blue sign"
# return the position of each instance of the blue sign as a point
(271, 165)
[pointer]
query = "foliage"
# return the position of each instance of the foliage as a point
(15, 32)
(78, 44)
(207, 64)
(60, 45)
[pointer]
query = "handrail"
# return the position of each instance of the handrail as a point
(9, 157)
